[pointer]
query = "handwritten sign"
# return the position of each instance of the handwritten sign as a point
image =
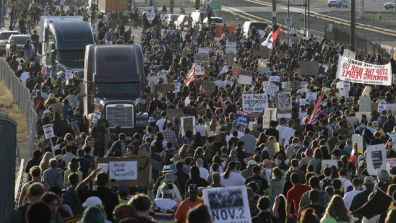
(274, 78)
(245, 78)
(242, 118)
(123, 170)
(381, 105)
(48, 131)
(96, 116)
(375, 158)
(254, 103)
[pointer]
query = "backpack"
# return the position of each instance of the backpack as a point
(326, 182)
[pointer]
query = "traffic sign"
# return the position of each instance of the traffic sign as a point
(215, 6)
(289, 22)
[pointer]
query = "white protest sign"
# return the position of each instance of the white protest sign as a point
(245, 79)
(177, 86)
(381, 105)
(48, 131)
(262, 66)
(155, 79)
(271, 89)
(329, 163)
(364, 104)
(284, 102)
(302, 102)
(96, 116)
(375, 158)
(104, 167)
(198, 70)
(228, 204)
(203, 50)
(304, 85)
(123, 170)
(231, 47)
(254, 103)
(349, 54)
(149, 13)
(47, 70)
(269, 115)
(187, 124)
(365, 73)
(274, 78)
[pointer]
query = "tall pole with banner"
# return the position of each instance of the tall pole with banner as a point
(353, 24)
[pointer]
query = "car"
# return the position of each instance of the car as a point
(389, 5)
(20, 40)
(170, 19)
(215, 20)
(4, 36)
(337, 3)
(248, 26)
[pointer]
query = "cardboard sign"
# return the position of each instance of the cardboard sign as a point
(357, 142)
(365, 73)
(242, 118)
(229, 58)
(262, 52)
(309, 68)
(375, 159)
(254, 103)
(48, 131)
(284, 102)
(132, 170)
(208, 87)
(329, 163)
(187, 124)
(174, 113)
(381, 105)
(245, 78)
(164, 88)
(228, 204)
(364, 104)
(123, 170)
(199, 70)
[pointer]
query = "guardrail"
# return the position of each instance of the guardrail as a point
(19, 182)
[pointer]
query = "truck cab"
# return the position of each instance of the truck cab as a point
(64, 42)
(114, 82)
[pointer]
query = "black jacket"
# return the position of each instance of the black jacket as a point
(265, 217)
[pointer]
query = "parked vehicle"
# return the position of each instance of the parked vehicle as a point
(4, 36)
(337, 3)
(389, 5)
(19, 40)
(214, 20)
(258, 26)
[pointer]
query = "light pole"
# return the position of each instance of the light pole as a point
(273, 13)
(353, 24)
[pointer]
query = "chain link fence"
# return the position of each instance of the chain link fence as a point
(23, 99)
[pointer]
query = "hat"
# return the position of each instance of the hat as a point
(368, 180)
(151, 119)
(252, 163)
(92, 202)
(176, 158)
(169, 177)
(167, 169)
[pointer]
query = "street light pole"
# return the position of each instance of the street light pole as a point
(353, 24)
(288, 8)
(273, 13)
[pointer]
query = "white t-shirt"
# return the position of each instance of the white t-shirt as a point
(160, 124)
(348, 197)
(24, 77)
(203, 173)
(234, 179)
(345, 183)
(201, 129)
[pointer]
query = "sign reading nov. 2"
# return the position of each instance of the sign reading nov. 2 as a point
(254, 103)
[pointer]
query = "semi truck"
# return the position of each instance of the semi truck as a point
(114, 82)
(63, 43)
(113, 5)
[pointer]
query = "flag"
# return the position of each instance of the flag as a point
(190, 76)
(378, 204)
(313, 118)
(271, 38)
(353, 152)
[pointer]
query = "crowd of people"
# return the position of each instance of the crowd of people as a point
(284, 184)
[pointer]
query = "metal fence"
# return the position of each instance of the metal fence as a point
(23, 99)
(363, 45)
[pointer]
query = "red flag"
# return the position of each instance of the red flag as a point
(313, 118)
(190, 76)
(275, 35)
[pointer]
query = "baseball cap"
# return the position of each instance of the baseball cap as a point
(368, 180)
(252, 163)
(92, 202)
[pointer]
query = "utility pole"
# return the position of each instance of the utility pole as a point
(288, 8)
(273, 13)
(353, 24)
(305, 13)
(197, 4)
(309, 12)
